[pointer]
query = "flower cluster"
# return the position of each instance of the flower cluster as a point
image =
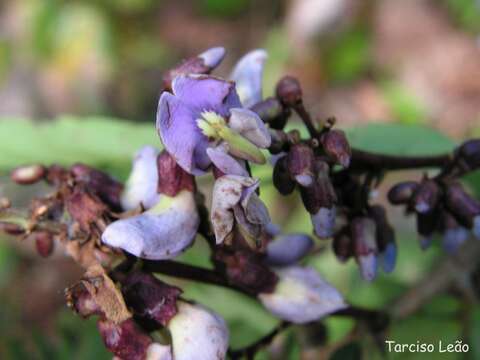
(123, 233)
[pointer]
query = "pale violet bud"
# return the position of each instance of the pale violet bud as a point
(213, 56)
(250, 126)
(162, 232)
(302, 295)
(476, 227)
(156, 351)
(288, 249)
(141, 186)
(324, 222)
(365, 246)
(388, 258)
(247, 75)
(198, 333)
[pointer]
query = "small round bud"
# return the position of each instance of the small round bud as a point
(29, 174)
(465, 208)
(469, 152)
(43, 243)
(343, 245)
(365, 246)
(300, 164)
(401, 193)
(336, 146)
(282, 180)
(289, 91)
(271, 112)
(426, 196)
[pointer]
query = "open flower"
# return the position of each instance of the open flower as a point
(235, 202)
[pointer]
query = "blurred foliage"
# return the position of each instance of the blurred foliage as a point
(406, 109)
(465, 12)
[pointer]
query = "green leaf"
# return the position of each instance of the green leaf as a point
(398, 139)
(99, 141)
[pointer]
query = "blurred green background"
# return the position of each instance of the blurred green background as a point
(80, 80)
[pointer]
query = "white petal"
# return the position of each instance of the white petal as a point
(198, 333)
(247, 75)
(162, 232)
(158, 351)
(227, 192)
(302, 295)
(213, 56)
(288, 249)
(141, 186)
(249, 125)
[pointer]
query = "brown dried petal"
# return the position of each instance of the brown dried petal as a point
(172, 178)
(85, 208)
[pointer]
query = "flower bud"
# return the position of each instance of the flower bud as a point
(385, 236)
(469, 152)
(159, 352)
(80, 300)
(465, 208)
(85, 208)
(149, 298)
(323, 222)
(289, 91)
(301, 296)
(56, 175)
(336, 146)
(126, 340)
(200, 64)
(172, 178)
(365, 246)
(288, 249)
(282, 180)
(343, 245)
(401, 193)
(300, 164)
(272, 113)
(198, 333)
(99, 183)
(454, 235)
(11, 228)
(43, 242)
(426, 225)
(426, 196)
(29, 174)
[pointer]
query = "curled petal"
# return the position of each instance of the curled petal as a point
(162, 232)
(198, 333)
(301, 296)
(213, 57)
(288, 249)
(179, 133)
(227, 193)
(249, 125)
(225, 162)
(247, 75)
(141, 186)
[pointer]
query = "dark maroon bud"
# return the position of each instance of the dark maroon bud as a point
(80, 300)
(465, 208)
(272, 112)
(383, 230)
(426, 196)
(281, 178)
(101, 184)
(469, 152)
(279, 143)
(362, 230)
(300, 164)
(289, 91)
(29, 174)
(150, 299)
(247, 270)
(11, 228)
(43, 242)
(200, 64)
(343, 245)
(321, 193)
(336, 146)
(126, 340)
(85, 208)
(401, 193)
(427, 223)
(56, 175)
(172, 178)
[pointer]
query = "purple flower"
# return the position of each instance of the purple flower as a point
(204, 112)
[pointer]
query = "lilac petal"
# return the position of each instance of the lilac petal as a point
(213, 56)
(388, 257)
(368, 266)
(288, 249)
(141, 186)
(324, 222)
(158, 351)
(302, 295)
(224, 162)
(247, 75)
(476, 227)
(453, 238)
(176, 125)
(206, 93)
(198, 333)
(250, 126)
(160, 233)
(227, 193)
(273, 229)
